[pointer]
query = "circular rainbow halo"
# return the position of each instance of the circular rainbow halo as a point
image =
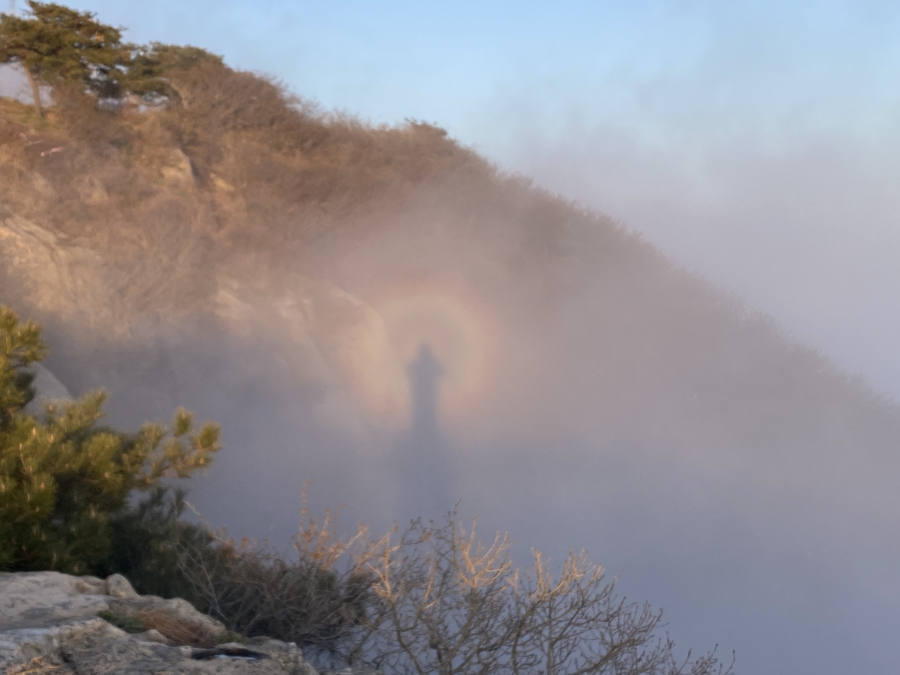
(454, 327)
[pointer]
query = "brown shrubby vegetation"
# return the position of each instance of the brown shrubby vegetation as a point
(434, 599)
(262, 143)
(173, 193)
(232, 178)
(315, 598)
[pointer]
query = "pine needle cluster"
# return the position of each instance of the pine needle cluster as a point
(63, 474)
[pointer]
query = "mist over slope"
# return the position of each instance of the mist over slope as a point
(278, 269)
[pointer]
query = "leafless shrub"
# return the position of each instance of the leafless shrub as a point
(436, 599)
(445, 602)
(78, 114)
(315, 600)
(575, 623)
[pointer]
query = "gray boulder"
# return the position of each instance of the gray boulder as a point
(119, 587)
(45, 598)
(49, 624)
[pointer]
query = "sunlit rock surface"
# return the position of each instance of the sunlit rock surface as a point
(49, 624)
(51, 276)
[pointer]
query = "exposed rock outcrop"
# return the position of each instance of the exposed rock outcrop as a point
(320, 325)
(49, 623)
(65, 280)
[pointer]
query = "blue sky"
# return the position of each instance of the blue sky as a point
(669, 66)
(755, 142)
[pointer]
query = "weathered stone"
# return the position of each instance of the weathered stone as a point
(178, 171)
(173, 611)
(119, 587)
(20, 645)
(153, 635)
(91, 585)
(103, 657)
(44, 598)
(48, 624)
(50, 276)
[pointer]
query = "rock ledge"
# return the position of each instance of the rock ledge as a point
(49, 624)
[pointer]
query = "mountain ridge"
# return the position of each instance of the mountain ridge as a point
(232, 253)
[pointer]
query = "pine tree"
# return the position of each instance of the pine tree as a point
(61, 45)
(63, 475)
(152, 65)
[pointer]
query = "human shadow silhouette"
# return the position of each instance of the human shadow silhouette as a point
(427, 480)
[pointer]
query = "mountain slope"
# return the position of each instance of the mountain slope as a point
(245, 254)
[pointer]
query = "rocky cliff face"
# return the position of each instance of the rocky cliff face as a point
(75, 286)
(49, 623)
(52, 278)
